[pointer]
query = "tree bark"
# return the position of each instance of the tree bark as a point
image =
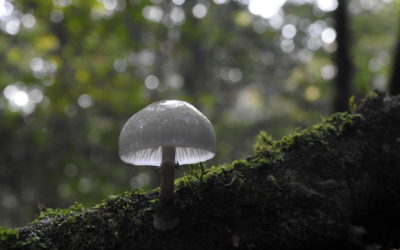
(330, 186)
(342, 83)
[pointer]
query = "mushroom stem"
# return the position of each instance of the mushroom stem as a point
(166, 216)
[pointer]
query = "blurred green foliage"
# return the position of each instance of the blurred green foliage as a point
(72, 72)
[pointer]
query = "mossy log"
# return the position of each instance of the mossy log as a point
(331, 186)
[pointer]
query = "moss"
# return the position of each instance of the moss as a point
(9, 239)
(55, 212)
(187, 181)
(264, 143)
(331, 127)
(268, 151)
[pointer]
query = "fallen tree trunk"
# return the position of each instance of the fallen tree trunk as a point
(326, 187)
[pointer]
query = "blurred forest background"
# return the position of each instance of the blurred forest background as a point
(72, 72)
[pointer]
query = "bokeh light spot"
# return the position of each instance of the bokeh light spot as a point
(220, 1)
(28, 21)
(9, 201)
(328, 35)
(265, 8)
(6, 9)
(62, 3)
(71, 170)
(153, 13)
(85, 101)
(276, 21)
(10, 91)
(314, 44)
(232, 75)
(177, 15)
(289, 31)
(21, 98)
(287, 45)
(312, 93)
(199, 10)
(84, 185)
(110, 4)
(175, 81)
(151, 82)
(178, 2)
(12, 26)
(328, 72)
(327, 5)
(56, 16)
(305, 55)
(120, 64)
(314, 30)
(16, 96)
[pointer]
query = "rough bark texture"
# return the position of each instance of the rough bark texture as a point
(320, 188)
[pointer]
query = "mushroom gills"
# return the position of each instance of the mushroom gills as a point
(153, 156)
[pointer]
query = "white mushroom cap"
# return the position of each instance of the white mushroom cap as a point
(167, 123)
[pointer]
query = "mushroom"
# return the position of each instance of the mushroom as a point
(164, 134)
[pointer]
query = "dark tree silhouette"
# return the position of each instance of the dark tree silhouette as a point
(342, 84)
(394, 83)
